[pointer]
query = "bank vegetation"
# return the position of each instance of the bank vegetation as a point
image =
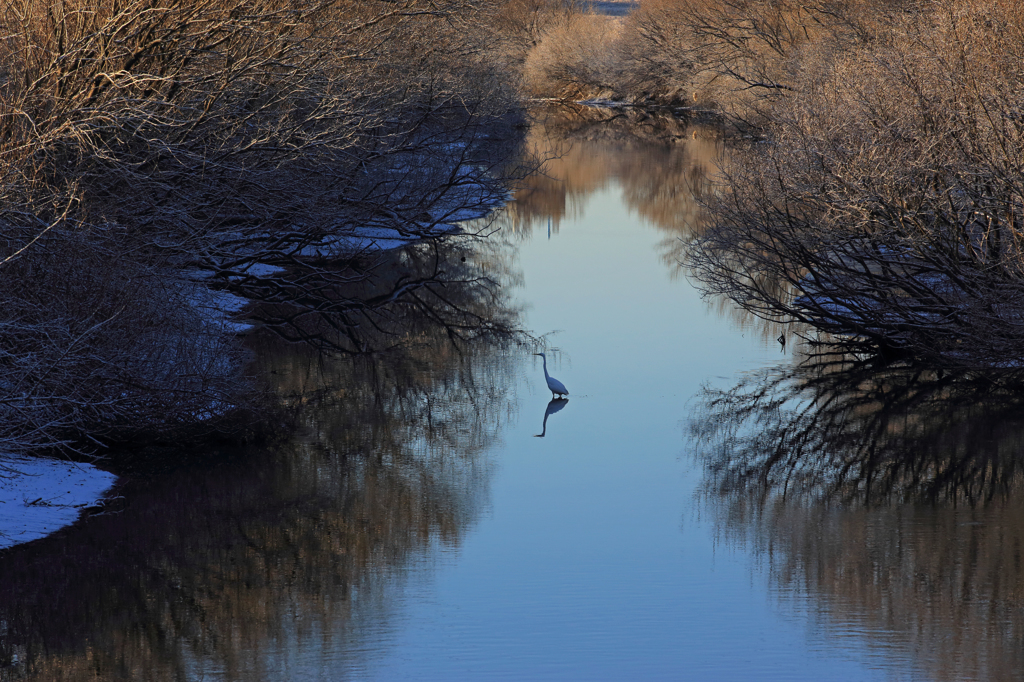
(875, 192)
(883, 200)
(172, 174)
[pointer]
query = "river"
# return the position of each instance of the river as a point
(442, 518)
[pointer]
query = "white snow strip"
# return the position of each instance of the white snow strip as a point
(263, 270)
(40, 496)
(218, 307)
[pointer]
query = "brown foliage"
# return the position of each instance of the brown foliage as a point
(573, 59)
(147, 146)
(520, 25)
(887, 204)
(180, 117)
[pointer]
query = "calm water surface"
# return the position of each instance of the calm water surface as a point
(418, 528)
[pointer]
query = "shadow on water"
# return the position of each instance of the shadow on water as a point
(891, 498)
(258, 563)
(554, 406)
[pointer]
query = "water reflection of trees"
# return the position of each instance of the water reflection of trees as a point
(892, 497)
(846, 431)
(249, 563)
(662, 162)
(664, 165)
(455, 285)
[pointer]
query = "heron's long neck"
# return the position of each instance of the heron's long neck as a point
(544, 358)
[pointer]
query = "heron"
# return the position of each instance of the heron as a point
(554, 385)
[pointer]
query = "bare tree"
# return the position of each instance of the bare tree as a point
(886, 204)
(163, 163)
(520, 25)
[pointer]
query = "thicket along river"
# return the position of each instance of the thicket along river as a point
(703, 507)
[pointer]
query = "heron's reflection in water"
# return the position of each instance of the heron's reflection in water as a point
(555, 405)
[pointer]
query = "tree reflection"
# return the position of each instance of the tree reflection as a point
(891, 496)
(843, 430)
(247, 563)
(666, 167)
(664, 164)
(411, 291)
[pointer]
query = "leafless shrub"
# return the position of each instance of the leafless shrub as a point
(518, 26)
(155, 153)
(738, 56)
(574, 59)
(92, 339)
(260, 113)
(887, 204)
(656, 54)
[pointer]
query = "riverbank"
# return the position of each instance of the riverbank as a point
(874, 188)
(160, 202)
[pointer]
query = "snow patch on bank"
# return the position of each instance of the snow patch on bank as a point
(470, 195)
(219, 308)
(41, 496)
